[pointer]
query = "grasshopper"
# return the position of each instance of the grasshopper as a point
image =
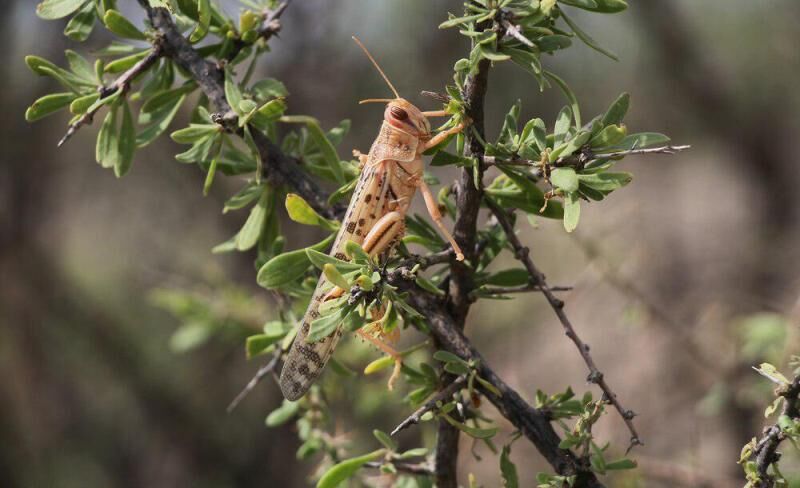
(390, 175)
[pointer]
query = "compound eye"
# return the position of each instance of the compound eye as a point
(399, 114)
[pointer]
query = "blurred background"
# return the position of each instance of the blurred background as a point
(683, 280)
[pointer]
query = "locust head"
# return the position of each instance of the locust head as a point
(403, 115)
(400, 113)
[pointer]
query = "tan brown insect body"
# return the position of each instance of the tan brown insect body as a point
(390, 176)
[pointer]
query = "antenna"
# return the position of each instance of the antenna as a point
(375, 63)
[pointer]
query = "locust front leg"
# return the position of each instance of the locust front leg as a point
(436, 215)
(438, 138)
(386, 231)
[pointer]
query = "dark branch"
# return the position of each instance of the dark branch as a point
(766, 452)
(441, 395)
(469, 191)
(279, 168)
(580, 158)
(595, 375)
(534, 424)
(507, 290)
(120, 85)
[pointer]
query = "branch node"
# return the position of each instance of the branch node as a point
(595, 377)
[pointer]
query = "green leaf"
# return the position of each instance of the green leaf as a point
(81, 104)
(448, 357)
(125, 63)
(251, 230)
(269, 112)
(301, 212)
(384, 439)
(260, 343)
(106, 150)
(444, 158)
(489, 53)
(70, 81)
(507, 469)
(57, 9)
(454, 21)
(269, 88)
(282, 414)
(640, 140)
(456, 368)
(565, 178)
(346, 469)
(319, 260)
(546, 6)
(509, 277)
(81, 25)
(356, 253)
(194, 133)
(334, 276)
(127, 143)
(770, 372)
(189, 336)
(244, 197)
(324, 145)
(47, 105)
(161, 120)
(490, 387)
(80, 66)
(475, 432)
(199, 152)
(287, 267)
(585, 4)
(611, 135)
(616, 112)
(121, 26)
(606, 181)
(379, 364)
(232, 92)
(204, 13)
(562, 125)
(428, 286)
(572, 211)
(573, 100)
(610, 6)
(549, 44)
(621, 464)
(571, 146)
(586, 38)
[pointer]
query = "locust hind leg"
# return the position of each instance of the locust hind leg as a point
(380, 240)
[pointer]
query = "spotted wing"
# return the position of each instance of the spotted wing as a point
(306, 360)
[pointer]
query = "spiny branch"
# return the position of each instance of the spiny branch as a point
(260, 374)
(522, 254)
(508, 290)
(534, 424)
(581, 158)
(279, 168)
(121, 85)
(441, 395)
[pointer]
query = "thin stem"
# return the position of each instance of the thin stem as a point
(522, 254)
(121, 85)
(441, 395)
(260, 374)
